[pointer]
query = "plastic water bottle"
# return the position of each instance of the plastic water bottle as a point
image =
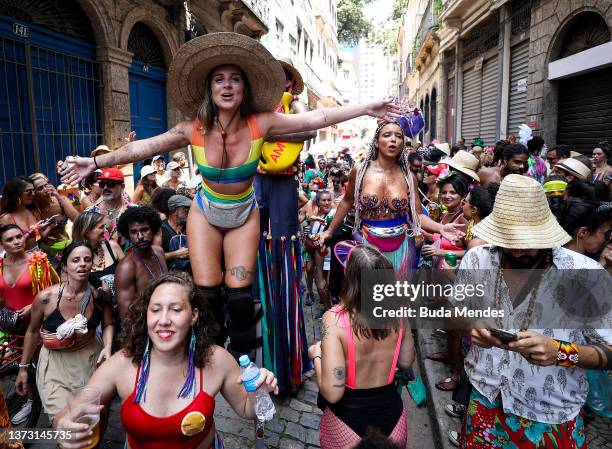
(249, 373)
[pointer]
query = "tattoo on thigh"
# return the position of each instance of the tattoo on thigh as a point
(339, 375)
(240, 272)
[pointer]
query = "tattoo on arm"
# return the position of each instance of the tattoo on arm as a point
(324, 330)
(240, 272)
(324, 115)
(339, 375)
(177, 130)
(604, 350)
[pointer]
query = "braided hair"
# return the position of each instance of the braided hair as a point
(402, 160)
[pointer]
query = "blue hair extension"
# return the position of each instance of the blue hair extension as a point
(189, 385)
(143, 375)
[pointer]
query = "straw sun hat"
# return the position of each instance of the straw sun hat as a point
(521, 218)
(465, 163)
(194, 61)
(298, 81)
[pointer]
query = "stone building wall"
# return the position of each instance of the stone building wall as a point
(548, 18)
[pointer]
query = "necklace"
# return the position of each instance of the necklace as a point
(223, 135)
(146, 267)
(545, 262)
(98, 264)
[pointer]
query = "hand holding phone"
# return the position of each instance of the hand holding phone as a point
(503, 336)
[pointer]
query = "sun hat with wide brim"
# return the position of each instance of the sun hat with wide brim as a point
(298, 81)
(521, 218)
(465, 163)
(197, 58)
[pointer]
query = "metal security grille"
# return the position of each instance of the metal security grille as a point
(488, 95)
(49, 107)
(519, 64)
(482, 39)
(585, 110)
(470, 111)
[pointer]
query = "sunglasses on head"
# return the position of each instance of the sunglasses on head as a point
(109, 184)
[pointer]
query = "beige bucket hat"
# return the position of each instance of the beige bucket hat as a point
(465, 163)
(521, 218)
(195, 59)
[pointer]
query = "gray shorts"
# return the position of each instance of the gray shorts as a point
(225, 216)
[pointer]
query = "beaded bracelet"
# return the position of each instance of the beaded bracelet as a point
(567, 355)
(96, 162)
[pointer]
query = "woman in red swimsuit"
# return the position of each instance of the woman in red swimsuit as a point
(169, 372)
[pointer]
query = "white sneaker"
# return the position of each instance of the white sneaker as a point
(453, 436)
(22, 414)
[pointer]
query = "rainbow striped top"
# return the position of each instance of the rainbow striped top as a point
(229, 175)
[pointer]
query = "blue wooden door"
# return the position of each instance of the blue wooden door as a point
(49, 99)
(147, 103)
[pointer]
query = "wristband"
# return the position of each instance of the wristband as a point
(96, 162)
(315, 357)
(24, 365)
(567, 355)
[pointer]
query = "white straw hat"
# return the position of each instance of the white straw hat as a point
(443, 147)
(521, 218)
(464, 162)
(575, 167)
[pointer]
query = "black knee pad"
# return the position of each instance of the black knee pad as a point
(216, 302)
(244, 313)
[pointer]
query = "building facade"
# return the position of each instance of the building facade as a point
(502, 63)
(82, 73)
(421, 71)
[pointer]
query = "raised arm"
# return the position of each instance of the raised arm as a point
(138, 150)
(344, 207)
(273, 124)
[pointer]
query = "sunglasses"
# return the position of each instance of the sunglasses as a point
(109, 184)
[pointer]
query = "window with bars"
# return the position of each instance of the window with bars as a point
(482, 39)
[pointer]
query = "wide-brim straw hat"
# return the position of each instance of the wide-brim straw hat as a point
(298, 81)
(197, 58)
(575, 167)
(521, 218)
(443, 147)
(465, 163)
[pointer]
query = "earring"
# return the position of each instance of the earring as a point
(143, 375)
(189, 385)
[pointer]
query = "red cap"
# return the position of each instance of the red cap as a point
(111, 174)
(435, 169)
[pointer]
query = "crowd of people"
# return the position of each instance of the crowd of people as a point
(158, 292)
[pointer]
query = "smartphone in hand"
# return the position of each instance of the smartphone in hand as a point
(503, 336)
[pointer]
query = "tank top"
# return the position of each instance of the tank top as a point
(229, 175)
(177, 431)
(55, 319)
(106, 271)
(18, 296)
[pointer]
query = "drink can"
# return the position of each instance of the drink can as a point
(451, 259)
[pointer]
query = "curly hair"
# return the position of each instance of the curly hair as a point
(141, 214)
(402, 161)
(134, 328)
(159, 199)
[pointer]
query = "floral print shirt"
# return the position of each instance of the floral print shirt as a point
(548, 394)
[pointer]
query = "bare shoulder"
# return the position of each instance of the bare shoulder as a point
(45, 296)
(159, 251)
(183, 128)
(221, 360)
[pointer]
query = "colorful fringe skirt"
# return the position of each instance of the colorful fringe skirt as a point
(393, 239)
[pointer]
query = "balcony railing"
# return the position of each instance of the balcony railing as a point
(429, 21)
(259, 7)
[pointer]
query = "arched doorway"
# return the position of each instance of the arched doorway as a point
(147, 86)
(50, 81)
(584, 100)
(433, 111)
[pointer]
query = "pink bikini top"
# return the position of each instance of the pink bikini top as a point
(352, 366)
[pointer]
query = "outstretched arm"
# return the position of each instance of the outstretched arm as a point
(138, 150)
(297, 107)
(273, 124)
